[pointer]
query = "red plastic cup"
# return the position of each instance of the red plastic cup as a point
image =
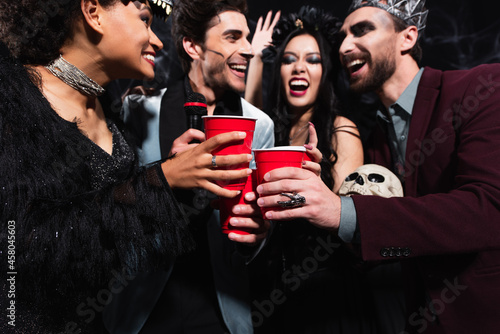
(227, 204)
(277, 157)
(218, 124)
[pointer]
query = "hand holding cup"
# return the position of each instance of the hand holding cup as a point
(217, 124)
(193, 168)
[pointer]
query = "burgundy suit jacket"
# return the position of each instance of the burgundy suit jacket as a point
(446, 230)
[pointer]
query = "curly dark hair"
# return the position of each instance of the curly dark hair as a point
(192, 18)
(36, 30)
(324, 27)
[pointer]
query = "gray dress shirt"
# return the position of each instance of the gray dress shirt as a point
(397, 122)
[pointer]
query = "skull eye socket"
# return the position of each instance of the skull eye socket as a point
(352, 177)
(375, 178)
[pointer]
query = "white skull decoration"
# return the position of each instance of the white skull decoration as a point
(372, 180)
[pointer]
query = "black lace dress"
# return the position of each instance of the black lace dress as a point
(76, 223)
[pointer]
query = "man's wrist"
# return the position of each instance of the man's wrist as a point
(348, 220)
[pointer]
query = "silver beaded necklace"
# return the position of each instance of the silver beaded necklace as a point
(74, 78)
(297, 133)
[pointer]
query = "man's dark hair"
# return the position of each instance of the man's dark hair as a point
(192, 18)
(416, 51)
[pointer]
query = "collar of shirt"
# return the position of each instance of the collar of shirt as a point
(406, 101)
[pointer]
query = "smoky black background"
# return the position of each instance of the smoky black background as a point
(459, 34)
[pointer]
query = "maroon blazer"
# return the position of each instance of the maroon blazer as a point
(446, 230)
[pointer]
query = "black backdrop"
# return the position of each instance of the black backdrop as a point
(459, 34)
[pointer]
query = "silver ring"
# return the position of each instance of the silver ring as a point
(214, 163)
(295, 201)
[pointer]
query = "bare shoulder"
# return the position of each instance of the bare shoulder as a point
(347, 144)
(343, 128)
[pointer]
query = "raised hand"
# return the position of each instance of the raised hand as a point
(263, 34)
(262, 38)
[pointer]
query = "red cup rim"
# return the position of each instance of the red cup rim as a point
(230, 117)
(282, 148)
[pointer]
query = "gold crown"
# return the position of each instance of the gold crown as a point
(299, 24)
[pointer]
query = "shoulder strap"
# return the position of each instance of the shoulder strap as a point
(342, 128)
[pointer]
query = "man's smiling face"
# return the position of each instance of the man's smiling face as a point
(368, 51)
(226, 52)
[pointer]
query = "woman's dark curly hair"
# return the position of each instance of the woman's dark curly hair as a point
(192, 18)
(36, 30)
(324, 28)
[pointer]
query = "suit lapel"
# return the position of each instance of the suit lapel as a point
(172, 116)
(425, 102)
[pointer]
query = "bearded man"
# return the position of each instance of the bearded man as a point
(440, 133)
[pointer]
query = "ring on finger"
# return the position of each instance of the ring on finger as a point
(295, 201)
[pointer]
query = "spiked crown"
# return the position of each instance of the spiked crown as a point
(412, 12)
